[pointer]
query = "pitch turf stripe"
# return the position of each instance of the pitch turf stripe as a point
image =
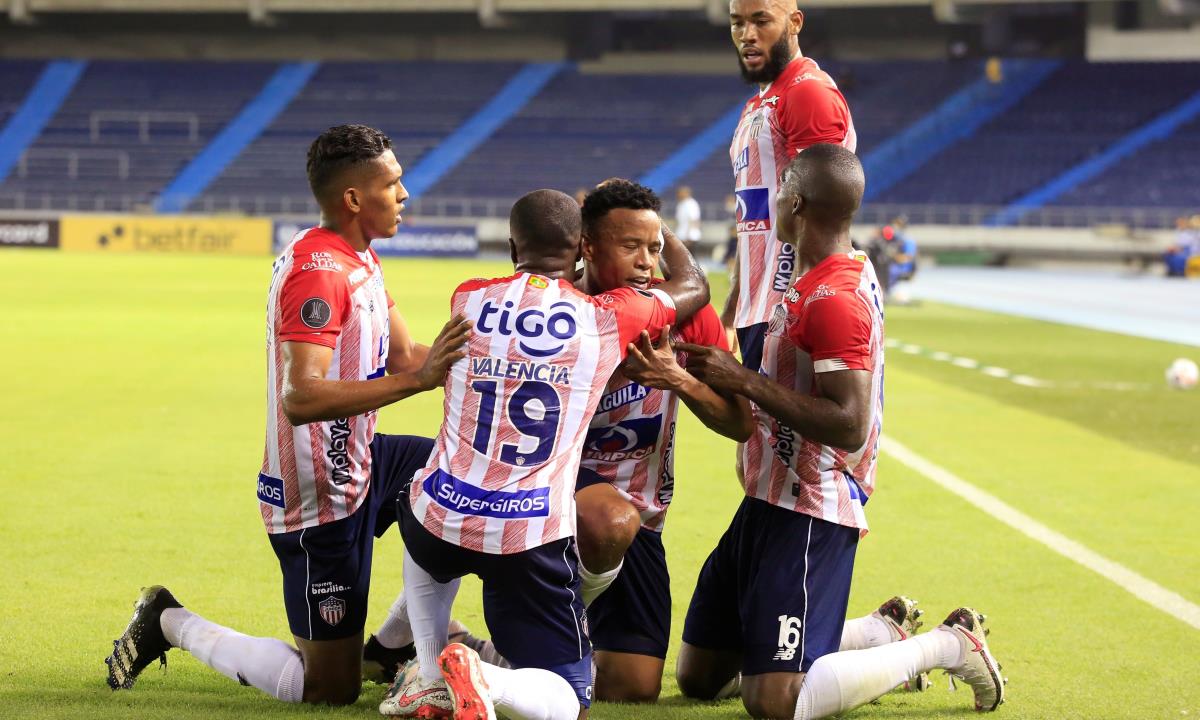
(1141, 587)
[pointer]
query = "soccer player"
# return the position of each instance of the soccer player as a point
(337, 351)
(772, 596)
(797, 105)
(626, 479)
(497, 498)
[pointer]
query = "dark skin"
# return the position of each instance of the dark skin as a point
(838, 415)
(622, 250)
(365, 205)
(756, 26)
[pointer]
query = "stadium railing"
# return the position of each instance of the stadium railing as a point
(469, 208)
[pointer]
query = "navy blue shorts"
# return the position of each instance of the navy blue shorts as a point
(775, 588)
(531, 600)
(327, 568)
(750, 344)
(634, 614)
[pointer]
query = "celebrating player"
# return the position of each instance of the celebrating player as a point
(626, 479)
(797, 105)
(807, 472)
(337, 351)
(497, 498)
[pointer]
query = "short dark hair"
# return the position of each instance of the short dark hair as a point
(339, 148)
(616, 193)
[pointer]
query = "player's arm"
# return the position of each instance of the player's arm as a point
(308, 396)
(404, 355)
(687, 284)
(729, 312)
(654, 365)
(839, 416)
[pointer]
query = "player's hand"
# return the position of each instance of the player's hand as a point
(714, 367)
(654, 365)
(731, 337)
(447, 349)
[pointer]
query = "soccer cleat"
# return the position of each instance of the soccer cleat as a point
(979, 668)
(903, 620)
(380, 664)
(462, 669)
(902, 617)
(412, 696)
(142, 642)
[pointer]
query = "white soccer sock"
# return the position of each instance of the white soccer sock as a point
(429, 603)
(395, 632)
(268, 664)
(592, 584)
(865, 632)
(844, 680)
(531, 694)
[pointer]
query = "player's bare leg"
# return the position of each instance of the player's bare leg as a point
(628, 677)
(705, 674)
(607, 524)
(332, 669)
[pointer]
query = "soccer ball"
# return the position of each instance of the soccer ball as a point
(1183, 374)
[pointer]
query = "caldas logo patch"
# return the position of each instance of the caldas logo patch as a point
(540, 333)
(315, 313)
(753, 213)
(332, 610)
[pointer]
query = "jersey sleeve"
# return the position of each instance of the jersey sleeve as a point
(638, 310)
(314, 305)
(836, 332)
(812, 113)
(705, 328)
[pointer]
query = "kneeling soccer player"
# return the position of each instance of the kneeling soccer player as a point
(337, 351)
(771, 598)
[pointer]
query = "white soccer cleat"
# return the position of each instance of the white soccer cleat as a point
(979, 668)
(461, 668)
(412, 696)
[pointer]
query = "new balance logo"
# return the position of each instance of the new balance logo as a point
(789, 637)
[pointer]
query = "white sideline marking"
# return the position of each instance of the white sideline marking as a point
(1143, 588)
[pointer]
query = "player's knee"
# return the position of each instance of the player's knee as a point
(770, 700)
(330, 692)
(695, 683)
(606, 530)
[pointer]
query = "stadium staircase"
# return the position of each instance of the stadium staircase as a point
(30, 94)
(1121, 175)
(418, 104)
(1075, 114)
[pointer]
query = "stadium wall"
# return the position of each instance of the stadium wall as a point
(468, 237)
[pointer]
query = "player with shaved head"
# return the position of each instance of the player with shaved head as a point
(497, 498)
(771, 598)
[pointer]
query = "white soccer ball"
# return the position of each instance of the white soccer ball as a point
(1183, 374)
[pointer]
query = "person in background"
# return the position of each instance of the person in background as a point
(901, 252)
(1176, 256)
(687, 218)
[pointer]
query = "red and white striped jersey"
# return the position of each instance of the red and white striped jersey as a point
(831, 319)
(802, 107)
(322, 292)
(517, 408)
(631, 440)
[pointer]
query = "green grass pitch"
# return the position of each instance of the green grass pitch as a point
(132, 433)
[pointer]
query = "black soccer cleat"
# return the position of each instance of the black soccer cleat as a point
(143, 641)
(380, 664)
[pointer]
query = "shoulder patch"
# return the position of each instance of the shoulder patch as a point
(315, 313)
